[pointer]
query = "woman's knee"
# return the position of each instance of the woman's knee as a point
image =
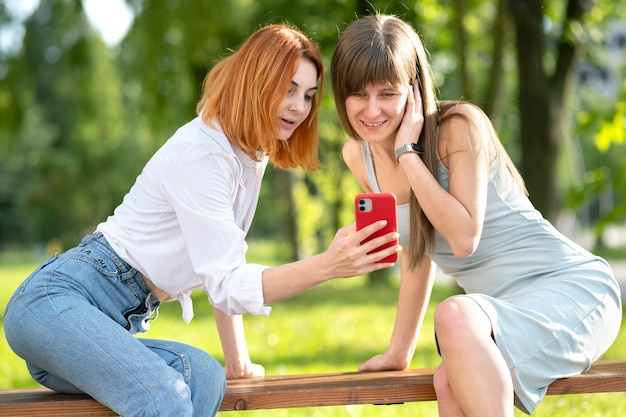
(461, 313)
(202, 376)
(206, 380)
(449, 316)
(199, 387)
(204, 366)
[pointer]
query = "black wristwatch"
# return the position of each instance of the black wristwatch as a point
(408, 147)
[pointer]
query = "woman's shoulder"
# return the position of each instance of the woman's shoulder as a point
(202, 137)
(448, 109)
(463, 126)
(351, 152)
(353, 157)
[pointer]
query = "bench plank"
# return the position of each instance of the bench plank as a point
(391, 387)
(603, 376)
(314, 390)
(44, 402)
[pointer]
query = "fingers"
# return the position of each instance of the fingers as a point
(256, 370)
(417, 97)
(414, 103)
(369, 365)
(414, 100)
(248, 370)
(346, 231)
(410, 98)
(413, 120)
(375, 245)
(353, 253)
(377, 363)
(370, 229)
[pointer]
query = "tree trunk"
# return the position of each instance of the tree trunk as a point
(538, 151)
(493, 96)
(283, 187)
(543, 98)
(460, 36)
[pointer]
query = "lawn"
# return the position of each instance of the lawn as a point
(331, 328)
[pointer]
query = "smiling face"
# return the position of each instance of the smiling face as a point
(376, 111)
(296, 106)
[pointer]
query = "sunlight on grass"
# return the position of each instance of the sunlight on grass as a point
(332, 328)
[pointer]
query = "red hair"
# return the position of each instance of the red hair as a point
(244, 91)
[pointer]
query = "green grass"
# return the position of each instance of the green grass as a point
(333, 327)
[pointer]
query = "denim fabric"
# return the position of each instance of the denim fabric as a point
(73, 321)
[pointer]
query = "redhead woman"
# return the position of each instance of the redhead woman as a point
(182, 227)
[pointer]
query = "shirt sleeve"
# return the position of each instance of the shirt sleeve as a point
(205, 189)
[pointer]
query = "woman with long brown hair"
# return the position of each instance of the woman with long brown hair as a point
(537, 306)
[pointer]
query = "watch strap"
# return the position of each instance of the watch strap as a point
(408, 147)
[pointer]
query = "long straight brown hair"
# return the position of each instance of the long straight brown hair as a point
(381, 49)
(244, 91)
(384, 49)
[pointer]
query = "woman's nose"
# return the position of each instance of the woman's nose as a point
(372, 108)
(297, 104)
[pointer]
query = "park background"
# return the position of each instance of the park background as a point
(80, 115)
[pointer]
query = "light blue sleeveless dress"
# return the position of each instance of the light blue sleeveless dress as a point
(554, 307)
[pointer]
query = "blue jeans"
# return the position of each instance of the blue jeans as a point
(73, 322)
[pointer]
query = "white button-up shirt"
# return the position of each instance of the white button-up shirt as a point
(184, 222)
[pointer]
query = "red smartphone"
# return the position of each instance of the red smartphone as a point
(372, 207)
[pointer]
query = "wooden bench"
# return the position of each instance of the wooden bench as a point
(314, 390)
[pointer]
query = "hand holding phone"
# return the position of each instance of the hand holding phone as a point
(373, 207)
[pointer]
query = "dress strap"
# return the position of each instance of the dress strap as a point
(369, 166)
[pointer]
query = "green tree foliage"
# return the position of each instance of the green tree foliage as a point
(64, 126)
(79, 119)
(599, 191)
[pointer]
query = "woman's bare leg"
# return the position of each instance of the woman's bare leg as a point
(447, 404)
(476, 372)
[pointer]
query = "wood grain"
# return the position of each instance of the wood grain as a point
(313, 390)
